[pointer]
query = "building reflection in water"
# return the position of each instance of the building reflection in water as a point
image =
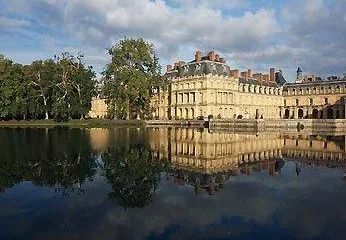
(206, 160)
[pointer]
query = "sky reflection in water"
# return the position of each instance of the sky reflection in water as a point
(170, 184)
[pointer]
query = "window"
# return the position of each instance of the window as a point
(326, 101)
(311, 101)
(285, 102)
(297, 102)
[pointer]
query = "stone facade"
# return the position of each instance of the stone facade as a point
(315, 100)
(207, 86)
(98, 108)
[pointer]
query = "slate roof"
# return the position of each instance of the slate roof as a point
(253, 81)
(200, 68)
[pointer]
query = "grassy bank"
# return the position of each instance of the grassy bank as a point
(72, 123)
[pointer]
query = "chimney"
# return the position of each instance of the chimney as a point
(169, 68)
(198, 56)
(217, 58)
(222, 60)
(244, 74)
(272, 74)
(211, 56)
(249, 74)
(235, 73)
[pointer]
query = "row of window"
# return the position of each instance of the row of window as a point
(311, 102)
(315, 90)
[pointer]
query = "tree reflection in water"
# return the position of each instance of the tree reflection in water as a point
(59, 158)
(201, 181)
(133, 173)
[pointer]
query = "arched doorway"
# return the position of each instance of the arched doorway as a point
(287, 113)
(257, 114)
(314, 113)
(225, 114)
(192, 113)
(337, 114)
(186, 113)
(330, 113)
(321, 114)
(180, 112)
(300, 113)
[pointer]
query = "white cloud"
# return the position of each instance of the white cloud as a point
(10, 23)
(310, 32)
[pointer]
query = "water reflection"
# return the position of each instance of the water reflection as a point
(59, 158)
(145, 181)
(133, 173)
(132, 160)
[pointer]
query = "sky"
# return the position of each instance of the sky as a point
(256, 34)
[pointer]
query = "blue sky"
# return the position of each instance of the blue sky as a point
(256, 34)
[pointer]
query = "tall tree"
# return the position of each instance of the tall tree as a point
(41, 77)
(131, 77)
(74, 88)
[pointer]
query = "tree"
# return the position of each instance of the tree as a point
(62, 88)
(41, 77)
(74, 88)
(131, 77)
(133, 173)
(12, 90)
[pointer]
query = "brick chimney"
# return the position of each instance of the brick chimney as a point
(217, 58)
(249, 74)
(235, 73)
(198, 56)
(272, 74)
(169, 68)
(211, 56)
(244, 74)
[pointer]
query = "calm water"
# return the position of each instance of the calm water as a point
(170, 184)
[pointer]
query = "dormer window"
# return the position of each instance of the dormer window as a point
(213, 69)
(185, 68)
(224, 70)
(198, 68)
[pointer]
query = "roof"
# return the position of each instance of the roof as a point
(253, 81)
(203, 67)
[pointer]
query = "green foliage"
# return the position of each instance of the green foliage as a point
(59, 158)
(131, 78)
(61, 88)
(133, 173)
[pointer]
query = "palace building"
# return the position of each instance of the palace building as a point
(208, 87)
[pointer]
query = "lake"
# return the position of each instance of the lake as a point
(170, 183)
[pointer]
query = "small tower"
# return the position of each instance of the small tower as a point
(299, 75)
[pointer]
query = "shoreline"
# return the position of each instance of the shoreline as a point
(257, 125)
(87, 123)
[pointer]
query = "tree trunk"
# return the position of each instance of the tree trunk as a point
(45, 107)
(127, 110)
